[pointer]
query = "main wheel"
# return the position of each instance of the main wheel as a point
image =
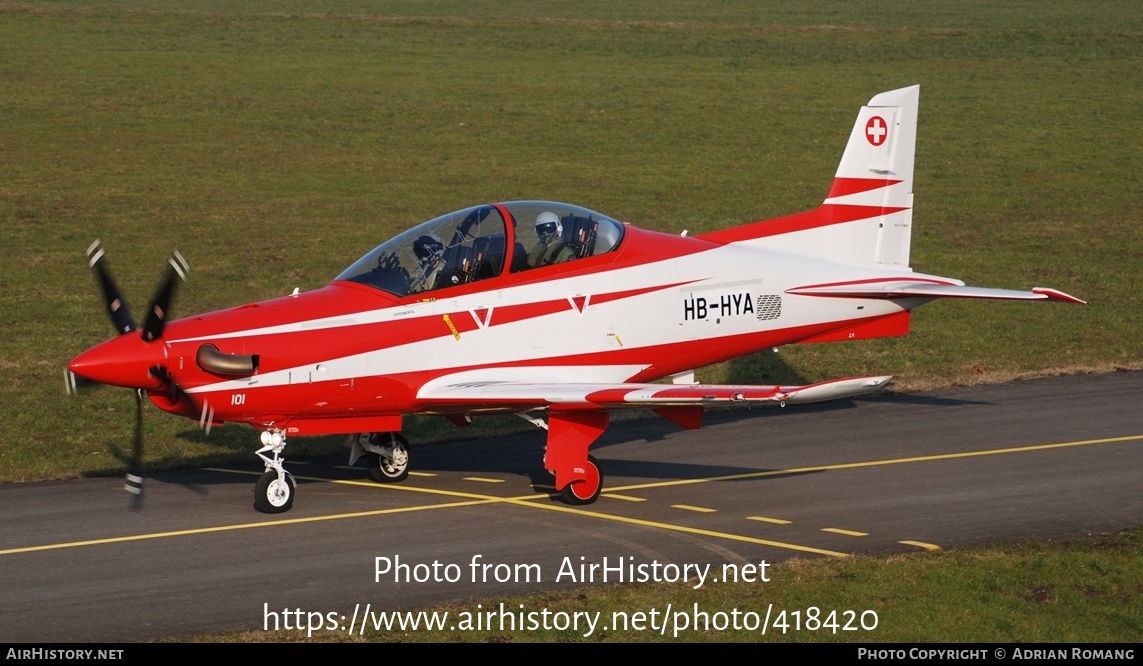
(393, 467)
(586, 491)
(272, 495)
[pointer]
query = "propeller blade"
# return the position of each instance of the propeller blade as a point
(207, 419)
(134, 484)
(121, 316)
(73, 383)
(160, 306)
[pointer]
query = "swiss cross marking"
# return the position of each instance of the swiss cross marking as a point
(876, 130)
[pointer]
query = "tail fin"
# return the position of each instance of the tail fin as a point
(867, 217)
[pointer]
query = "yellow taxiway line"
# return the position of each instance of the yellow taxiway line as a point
(874, 463)
(474, 499)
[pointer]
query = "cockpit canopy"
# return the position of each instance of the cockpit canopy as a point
(484, 242)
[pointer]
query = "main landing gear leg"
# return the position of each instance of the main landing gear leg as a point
(570, 433)
(274, 492)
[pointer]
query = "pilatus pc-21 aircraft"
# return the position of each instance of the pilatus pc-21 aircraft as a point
(538, 307)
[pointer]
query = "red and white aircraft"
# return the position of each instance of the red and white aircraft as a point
(535, 306)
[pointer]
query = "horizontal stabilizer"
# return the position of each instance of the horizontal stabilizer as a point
(914, 289)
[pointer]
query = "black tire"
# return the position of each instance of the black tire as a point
(583, 492)
(273, 496)
(393, 470)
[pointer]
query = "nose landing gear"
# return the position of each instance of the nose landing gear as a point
(274, 492)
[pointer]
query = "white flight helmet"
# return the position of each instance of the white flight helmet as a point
(548, 223)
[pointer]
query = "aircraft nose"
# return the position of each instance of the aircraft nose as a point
(123, 361)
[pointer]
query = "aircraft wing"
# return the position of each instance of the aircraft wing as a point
(917, 289)
(508, 393)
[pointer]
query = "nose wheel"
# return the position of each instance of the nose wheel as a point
(274, 493)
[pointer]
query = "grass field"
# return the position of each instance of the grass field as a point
(275, 142)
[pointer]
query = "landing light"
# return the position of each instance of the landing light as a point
(271, 438)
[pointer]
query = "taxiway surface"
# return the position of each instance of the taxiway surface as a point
(1043, 459)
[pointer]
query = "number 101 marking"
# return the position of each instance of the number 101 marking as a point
(238, 399)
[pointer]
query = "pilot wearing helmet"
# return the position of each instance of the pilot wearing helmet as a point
(550, 248)
(429, 250)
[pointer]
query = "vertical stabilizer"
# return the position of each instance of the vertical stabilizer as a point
(876, 172)
(867, 217)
